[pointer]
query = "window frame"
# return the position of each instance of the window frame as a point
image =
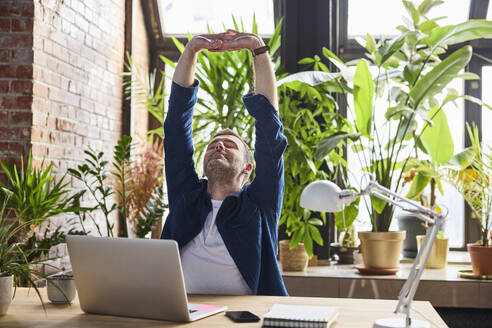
(336, 32)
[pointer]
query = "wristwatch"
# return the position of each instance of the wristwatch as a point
(260, 50)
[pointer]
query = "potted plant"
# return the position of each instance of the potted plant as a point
(414, 68)
(475, 184)
(309, 114)
(347, 245)
(35, 195)
(428, 175)
(13, 260)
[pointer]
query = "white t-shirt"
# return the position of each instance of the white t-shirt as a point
(208, 267)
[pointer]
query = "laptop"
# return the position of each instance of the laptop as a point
(138, 278)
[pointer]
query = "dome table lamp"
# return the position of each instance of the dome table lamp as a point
(325, 196)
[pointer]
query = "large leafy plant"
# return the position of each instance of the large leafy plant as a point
(309, 115)
(398, 92)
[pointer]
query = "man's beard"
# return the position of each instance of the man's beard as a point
(221, 171)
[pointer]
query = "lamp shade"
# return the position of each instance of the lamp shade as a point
(322, 196)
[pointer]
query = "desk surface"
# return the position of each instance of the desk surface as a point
(26, 311)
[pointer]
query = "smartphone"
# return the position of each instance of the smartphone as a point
(242, 316)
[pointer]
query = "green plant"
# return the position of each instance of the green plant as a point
(309, 115)
(123, 165)
(224, 77)
(13, 259)
(93, 174)
(151, 213)
(474, 183)
(35, 195)
(147, 92)
(428, 175)
(407, 91)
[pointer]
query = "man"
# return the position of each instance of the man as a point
(226, 229)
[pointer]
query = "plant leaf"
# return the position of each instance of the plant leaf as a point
(363, 97)
(313, 78)
(452, 34)
(440, 76)
(437, 138)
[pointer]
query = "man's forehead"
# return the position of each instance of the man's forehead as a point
(226, 137)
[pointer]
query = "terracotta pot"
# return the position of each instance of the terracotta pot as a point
(6, 293)
(438, 257)
(481, 259)
(293, 259)
(381, 250)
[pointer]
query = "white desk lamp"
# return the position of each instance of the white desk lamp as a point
(325, 196)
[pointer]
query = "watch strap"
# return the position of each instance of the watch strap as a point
(260, 50)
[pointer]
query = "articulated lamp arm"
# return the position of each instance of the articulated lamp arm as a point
(315, 196)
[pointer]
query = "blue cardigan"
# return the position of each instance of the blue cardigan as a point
(247, 220)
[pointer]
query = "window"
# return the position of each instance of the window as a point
(381, 19)
(487, 98)
(188, 16)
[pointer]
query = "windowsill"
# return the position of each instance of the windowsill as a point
(454, 257)
(442, 287)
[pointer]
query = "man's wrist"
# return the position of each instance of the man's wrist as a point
(258, 43)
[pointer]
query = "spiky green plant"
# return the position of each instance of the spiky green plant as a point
(475, 184)
(35, 195)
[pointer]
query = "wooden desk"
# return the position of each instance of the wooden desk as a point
(26, 311)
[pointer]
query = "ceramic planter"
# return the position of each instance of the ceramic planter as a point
(6, 293)
(381, 250)
(345, 254)
(65, 293)
(413, 227)
(293, 259)
(438, 257)
(481, 259)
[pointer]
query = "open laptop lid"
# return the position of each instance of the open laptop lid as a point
(129, 277)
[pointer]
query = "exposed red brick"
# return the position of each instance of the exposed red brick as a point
(4, 25)
(24, 87)
(4, 86)
(22, 24)
(23, 72)
(22, 56)
(20, 118)
(28, 9)
(16, 102)
(4, 116)
(14, 133)
(20, 40)
(4, 10)
(4, 56)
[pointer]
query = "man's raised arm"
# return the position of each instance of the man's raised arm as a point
(268, 186)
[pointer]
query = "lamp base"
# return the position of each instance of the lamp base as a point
(399, 323)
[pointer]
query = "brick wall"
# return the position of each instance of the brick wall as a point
(140, 55)
(16, 69)
(77, 67)
(61, 65)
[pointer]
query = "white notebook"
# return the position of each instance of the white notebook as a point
(282, 315)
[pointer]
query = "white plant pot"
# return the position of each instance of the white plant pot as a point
(6, 293)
